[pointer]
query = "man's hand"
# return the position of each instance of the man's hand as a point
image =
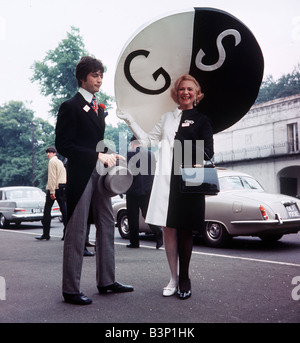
(110, 160)
(52, 196)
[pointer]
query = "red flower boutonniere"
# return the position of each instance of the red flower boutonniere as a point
(103, 107)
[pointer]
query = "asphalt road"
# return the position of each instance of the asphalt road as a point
(248, 282)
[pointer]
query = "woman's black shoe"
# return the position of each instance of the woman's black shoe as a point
(184, 290)
(184, 295)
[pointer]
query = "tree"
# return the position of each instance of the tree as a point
(117, 138)
(56, 72)
(286, 85)
(23, 142)
(43, 137)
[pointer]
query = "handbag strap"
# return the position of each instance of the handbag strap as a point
(209, 159)
(200, 166)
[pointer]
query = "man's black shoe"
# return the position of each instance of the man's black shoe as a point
(88, 253)
(132, 245)
(77, 299)
(160, 240)
(116, 287)
(42, 237)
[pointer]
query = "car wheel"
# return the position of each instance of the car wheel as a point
(3, 222)
(215, 235)
(122, 224)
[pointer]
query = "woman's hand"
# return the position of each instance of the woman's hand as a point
(124, 116)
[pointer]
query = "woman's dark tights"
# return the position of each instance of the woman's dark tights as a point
(185, 247)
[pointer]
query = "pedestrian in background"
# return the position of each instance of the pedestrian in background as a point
(55, 188)
(138, 195)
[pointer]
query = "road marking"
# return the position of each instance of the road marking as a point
(194, 252)
(227, 256)
(23, 232)
(248, 259)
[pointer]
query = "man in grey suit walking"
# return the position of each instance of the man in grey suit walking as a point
(80, 127)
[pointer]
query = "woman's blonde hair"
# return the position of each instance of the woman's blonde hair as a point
(174, 90)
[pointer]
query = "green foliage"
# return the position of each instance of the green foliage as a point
(56, 72)
(117, 138)
(286, 85)
(23, 142)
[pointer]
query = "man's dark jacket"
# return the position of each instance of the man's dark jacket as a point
(145, 163)
(78, 131)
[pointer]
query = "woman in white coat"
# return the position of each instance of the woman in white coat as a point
(179, 214)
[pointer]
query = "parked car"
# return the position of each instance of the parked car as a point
(23, 204)
(242, 208)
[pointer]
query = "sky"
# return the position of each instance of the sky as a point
(30, 28)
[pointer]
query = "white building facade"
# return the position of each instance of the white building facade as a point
(265, 144)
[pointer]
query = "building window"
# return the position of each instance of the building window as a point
(293, 142)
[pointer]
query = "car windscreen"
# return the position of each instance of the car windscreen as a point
(250, 183)
(229, 183)
(21, 194)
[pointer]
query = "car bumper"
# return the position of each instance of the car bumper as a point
(31, 217)
(277, 225)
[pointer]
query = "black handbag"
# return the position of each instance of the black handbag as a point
(199, 179)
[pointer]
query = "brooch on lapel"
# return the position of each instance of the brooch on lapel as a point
(187, 123)
(86, 108)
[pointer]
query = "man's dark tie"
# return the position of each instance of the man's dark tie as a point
(94, 104)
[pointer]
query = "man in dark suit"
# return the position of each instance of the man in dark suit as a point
(141, 162)
(79, 137)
